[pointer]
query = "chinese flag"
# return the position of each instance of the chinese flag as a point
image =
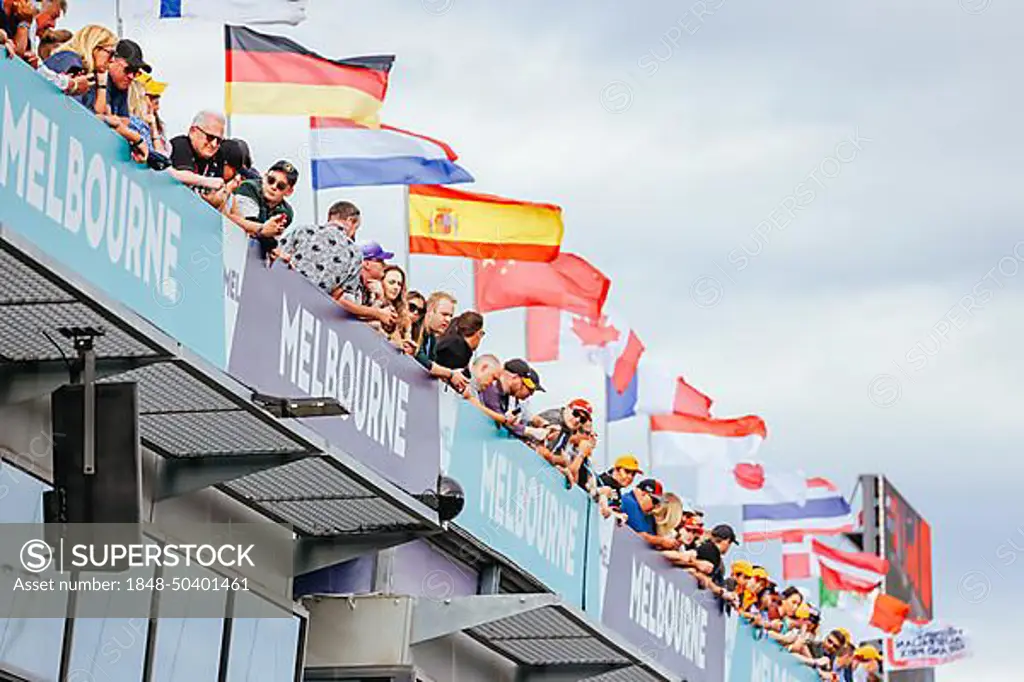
(568, 283)
(889, 613)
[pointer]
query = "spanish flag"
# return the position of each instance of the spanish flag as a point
(449, 222)
(273, 75)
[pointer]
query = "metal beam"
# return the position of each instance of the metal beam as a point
(570, 672)
(181, 476)
(433, 618)
(313, 553)
(27, 380)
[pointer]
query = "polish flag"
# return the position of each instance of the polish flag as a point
(860, 572)
(686, 440)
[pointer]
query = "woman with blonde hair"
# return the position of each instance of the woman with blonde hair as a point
(89, 51)
(96, 51)
(668, 515)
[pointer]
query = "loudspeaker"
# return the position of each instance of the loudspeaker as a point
(113, 493)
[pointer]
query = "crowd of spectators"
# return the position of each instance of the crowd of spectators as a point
(111, 79)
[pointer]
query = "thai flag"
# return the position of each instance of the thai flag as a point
(610, 342)
(236, 11)
(347, 154)
(824, 511)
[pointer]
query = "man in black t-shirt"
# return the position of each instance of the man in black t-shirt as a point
(196, 157)
(715, 548)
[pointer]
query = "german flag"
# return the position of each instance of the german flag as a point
(272, 75)
(450, 222)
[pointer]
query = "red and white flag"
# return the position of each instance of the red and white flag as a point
(686, 440)
(796, 557)
(609, 341)
(859, 572)
(661, 391)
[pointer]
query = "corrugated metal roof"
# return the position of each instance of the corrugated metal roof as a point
(189, 411)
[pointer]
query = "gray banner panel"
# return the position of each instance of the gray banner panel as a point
(141, 571)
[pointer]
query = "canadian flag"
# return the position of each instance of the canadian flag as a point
(553, 334)
(637, 384)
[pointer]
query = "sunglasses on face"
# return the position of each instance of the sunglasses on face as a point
(581, 415)
(280, 185)
(212, 139)
(415, 309)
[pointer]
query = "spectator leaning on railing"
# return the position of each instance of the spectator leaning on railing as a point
(74, 66)
(611, 483)
(154, 90)
(196, 157)
(460, 340)
(417, 312)
(115, 70)
(503, 399)
(391, 295)
(440, 310)
(261, 207)
(328, 256)
(26, 22)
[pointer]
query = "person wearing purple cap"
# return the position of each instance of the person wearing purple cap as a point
(328, 256)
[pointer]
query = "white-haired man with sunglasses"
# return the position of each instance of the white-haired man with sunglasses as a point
(195, 157)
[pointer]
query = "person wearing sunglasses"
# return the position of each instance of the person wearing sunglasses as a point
(262, 208)
(417, 306)
(110, 96)
(196, 157)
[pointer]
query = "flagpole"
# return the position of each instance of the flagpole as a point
(405, 229)
(120, 19)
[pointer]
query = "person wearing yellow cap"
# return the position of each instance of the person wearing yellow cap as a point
(867, 664)
(611, 483)
(154, 90)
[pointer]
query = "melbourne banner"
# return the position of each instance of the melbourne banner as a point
(68, 186)
(292, 340)
(517, 504)
(659, 608)
(758, 659)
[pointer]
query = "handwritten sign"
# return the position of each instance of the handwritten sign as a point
(927, 646)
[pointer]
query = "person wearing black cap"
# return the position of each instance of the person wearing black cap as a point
(638, 505)
(110, 96)
(262, 207)
(715, 548)
(503, 399)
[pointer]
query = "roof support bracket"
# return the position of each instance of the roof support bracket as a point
(187, 475)
(315, 552)
(437, 618)
(27, 380)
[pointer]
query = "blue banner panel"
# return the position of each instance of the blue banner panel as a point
(292, 340)
(518, 504)
(68, 186)
(660, 609)
(758, 659)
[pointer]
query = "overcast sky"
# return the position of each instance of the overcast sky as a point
(669, 138)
